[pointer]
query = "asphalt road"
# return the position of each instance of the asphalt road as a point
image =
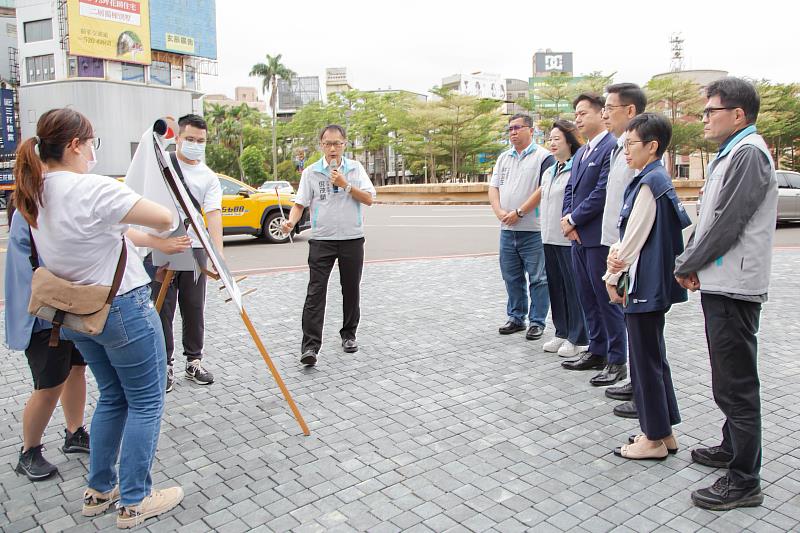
(393, 233)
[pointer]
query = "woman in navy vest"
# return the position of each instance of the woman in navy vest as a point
(650, 225)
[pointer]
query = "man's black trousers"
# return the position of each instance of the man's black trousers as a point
(321, 256)
(731, 327)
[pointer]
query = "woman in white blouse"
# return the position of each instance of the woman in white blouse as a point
(571, 337)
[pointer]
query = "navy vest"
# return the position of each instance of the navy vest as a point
(655, 288)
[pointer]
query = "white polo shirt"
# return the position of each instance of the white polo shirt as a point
(335, 215)
(517, 176)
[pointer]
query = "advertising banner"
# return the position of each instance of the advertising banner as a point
(483, 85)
(184, 27)
(110, 29)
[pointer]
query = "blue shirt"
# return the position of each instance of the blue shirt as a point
(19, 274)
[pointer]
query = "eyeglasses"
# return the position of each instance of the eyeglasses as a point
(333, 144)
(95, 142)
(512, 129)
(709, 110)
(627, 144)
(609, 107)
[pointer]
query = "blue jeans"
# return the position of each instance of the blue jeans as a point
(521, 253)
(129, 363)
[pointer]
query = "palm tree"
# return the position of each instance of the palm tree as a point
(269, 73)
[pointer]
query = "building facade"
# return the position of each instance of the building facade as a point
(122, 64)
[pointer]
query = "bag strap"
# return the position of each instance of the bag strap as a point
(34, 257)
(119, 272)
(174, 157)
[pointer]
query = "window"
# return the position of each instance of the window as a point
(682, 171)
(783, 183)
(85, 67)
(161, 73)
(229, 187)
(793, 179)
(40, 68)
(38, 30)
(189, 78)
(131, 72)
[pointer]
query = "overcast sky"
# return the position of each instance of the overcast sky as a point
(413, 44)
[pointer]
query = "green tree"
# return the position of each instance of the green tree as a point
(779, 120)
(681, 101)
(253, 163)
(287, 171)
(549, 98)
(269, 73)
(595, 82)
(222, 159)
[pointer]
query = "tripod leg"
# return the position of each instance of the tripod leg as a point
(168, 275)
(275, 374)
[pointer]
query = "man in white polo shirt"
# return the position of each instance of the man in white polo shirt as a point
(334, 190)
(514, 197)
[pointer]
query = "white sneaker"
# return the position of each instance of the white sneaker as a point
(554, 344)
(570, 350)
(159, 501)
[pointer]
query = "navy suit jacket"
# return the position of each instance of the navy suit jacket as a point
(585, 192)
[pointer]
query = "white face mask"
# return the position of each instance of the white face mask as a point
(90, 163)
(193, 151)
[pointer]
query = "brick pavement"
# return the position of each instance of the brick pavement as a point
(437, 424)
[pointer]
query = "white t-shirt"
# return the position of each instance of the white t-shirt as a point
(204, 185)
(80, 235)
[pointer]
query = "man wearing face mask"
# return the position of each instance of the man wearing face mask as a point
(203, 186)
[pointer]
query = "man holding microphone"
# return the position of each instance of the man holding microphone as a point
(334, 189)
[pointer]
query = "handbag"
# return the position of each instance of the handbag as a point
(81, 308)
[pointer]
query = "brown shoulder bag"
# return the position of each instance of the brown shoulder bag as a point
(82, 308)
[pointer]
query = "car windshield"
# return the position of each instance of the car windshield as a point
(273, 184)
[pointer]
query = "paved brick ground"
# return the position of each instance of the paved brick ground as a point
(437, 424)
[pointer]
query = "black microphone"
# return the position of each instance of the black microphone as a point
(334, 166)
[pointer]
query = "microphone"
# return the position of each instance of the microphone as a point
(334, 166)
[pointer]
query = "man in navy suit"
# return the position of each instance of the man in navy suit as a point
(584, 200)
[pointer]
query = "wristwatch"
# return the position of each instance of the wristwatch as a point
(348, 188)
(519, 213)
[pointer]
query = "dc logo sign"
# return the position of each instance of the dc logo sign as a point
(554, 62)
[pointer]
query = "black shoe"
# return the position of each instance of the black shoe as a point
(724, 495)
(77, 442)
(586, 361)
(510, 327)
(197, 373)
(309, 358)
(349, 345)
(535, 332)
(33, 465)
(170, 378)
(715, 457)
(626, 410)
(623, 392)
(610, 375)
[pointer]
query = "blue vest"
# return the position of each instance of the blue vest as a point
(655, 288)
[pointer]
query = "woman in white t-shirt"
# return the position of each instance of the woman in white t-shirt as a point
(79, 221)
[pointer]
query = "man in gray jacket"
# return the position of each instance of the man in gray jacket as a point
(728, 259)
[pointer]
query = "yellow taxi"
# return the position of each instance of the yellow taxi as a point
(248, 211)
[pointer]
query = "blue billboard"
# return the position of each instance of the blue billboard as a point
(184, 27)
